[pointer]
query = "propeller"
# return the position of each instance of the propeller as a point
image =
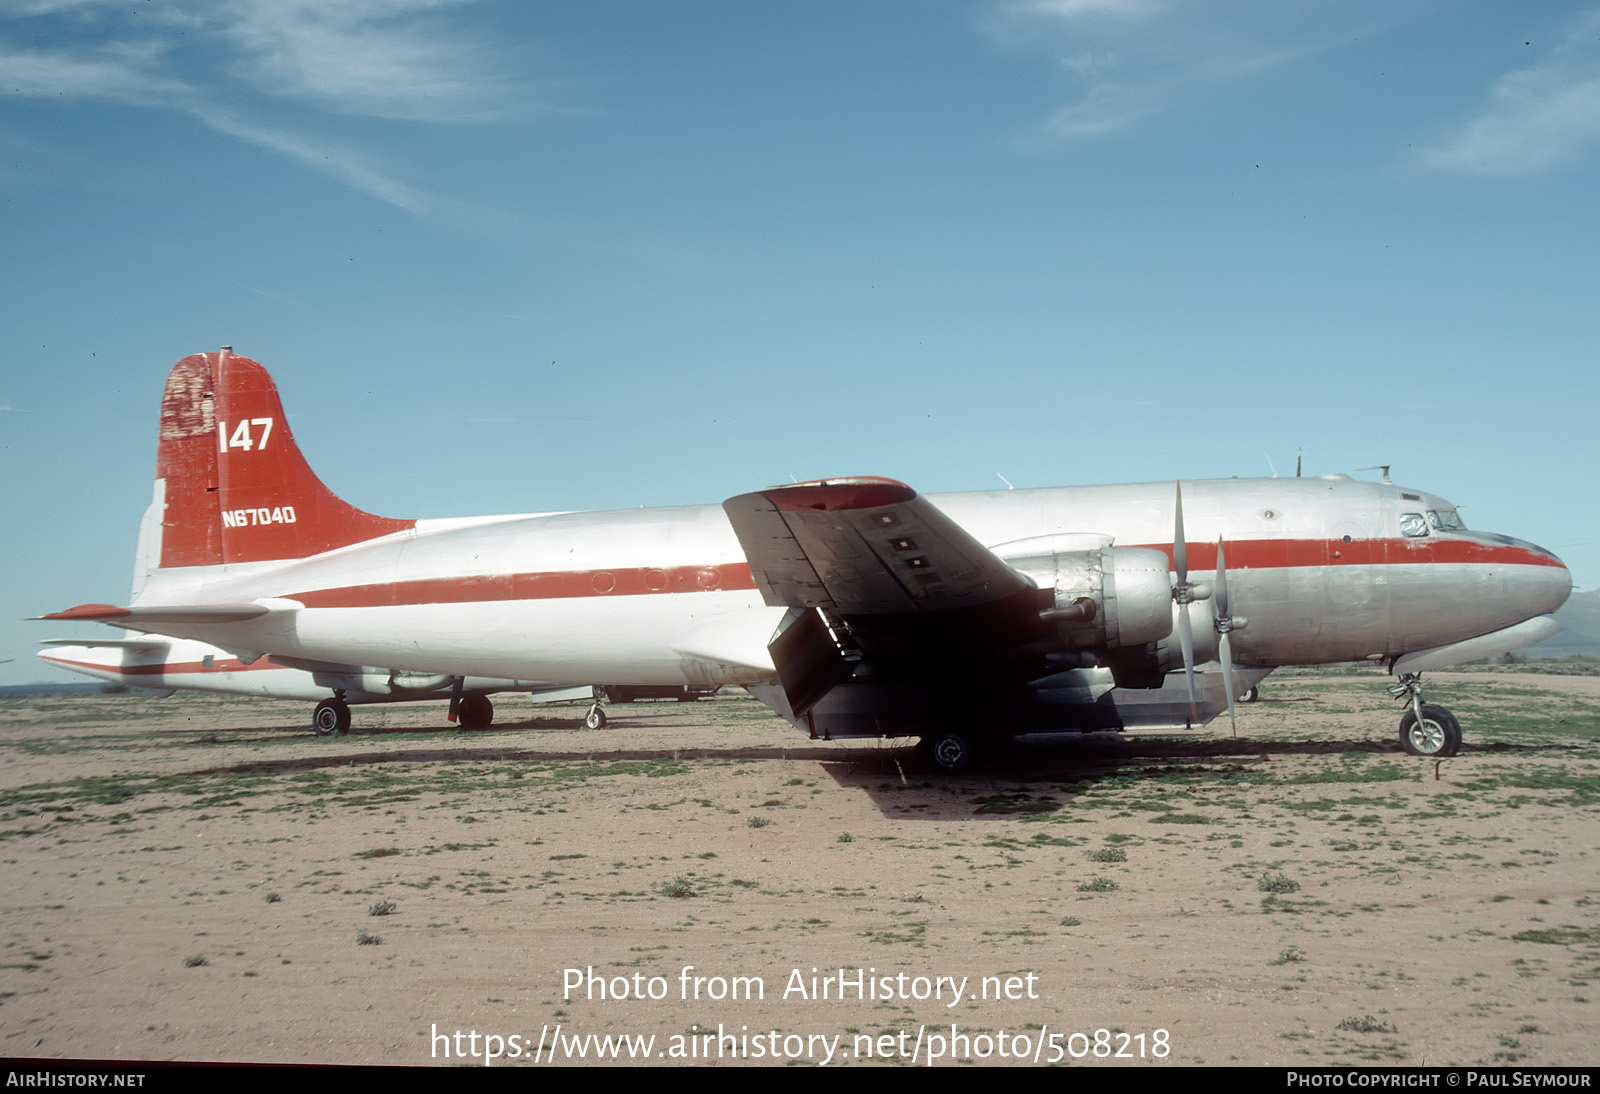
(1184, 593)
(1226, 624)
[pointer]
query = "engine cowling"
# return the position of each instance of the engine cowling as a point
(1105, 597)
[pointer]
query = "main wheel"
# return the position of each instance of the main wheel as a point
(331, 716)
(1251, 694)
(475, 712)
(595, 719)
(950, 750)
(1438, 734)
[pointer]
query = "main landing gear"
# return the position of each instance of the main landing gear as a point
(475, 712)
(595, 719)
(331, 716)
(949, 751)
(1425, 730)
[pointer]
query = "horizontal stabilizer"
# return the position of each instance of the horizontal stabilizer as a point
(154, 619)
(132, 645)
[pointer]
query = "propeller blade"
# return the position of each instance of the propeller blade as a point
(1180, 549)
(1225, 655)
(1186, 640)
(1219, 605)
(1220, 594)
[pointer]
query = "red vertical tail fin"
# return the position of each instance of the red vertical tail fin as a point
(236, 488)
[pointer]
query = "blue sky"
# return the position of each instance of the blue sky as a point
(508, 257)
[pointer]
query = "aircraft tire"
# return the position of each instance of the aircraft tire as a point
(950, 751)
(475, 712)
(1251, 694)
(595, 719)
(1438, 734)
(331, 716)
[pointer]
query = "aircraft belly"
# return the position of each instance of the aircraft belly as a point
(611, 640)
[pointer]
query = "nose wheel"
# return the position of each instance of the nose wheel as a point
(1425, 730)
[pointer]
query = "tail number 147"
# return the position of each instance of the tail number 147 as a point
(242, 437)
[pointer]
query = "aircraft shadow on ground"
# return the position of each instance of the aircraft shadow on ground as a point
(1041, 774)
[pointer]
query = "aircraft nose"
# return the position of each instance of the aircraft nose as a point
(1547, 584)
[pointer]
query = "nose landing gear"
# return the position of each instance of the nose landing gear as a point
(1425, 729)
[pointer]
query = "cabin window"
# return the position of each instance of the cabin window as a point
(1447, 520)
(1413, 525)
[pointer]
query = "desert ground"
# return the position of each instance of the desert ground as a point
(200, 878)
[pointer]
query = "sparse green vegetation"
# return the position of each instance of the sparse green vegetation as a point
(678, 888)
(1366, 1024)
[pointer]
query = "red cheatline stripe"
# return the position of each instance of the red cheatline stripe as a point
(642, 581)
(634, 581)
(169, 669)
(1267, 554)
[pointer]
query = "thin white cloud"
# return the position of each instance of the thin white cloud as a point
(377, 58)
(1540, 117)
(39, 75)
(1131, 59)
(1077, 9)
(329, 159)
(232, 65)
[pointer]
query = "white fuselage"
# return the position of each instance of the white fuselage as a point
(1323, 568)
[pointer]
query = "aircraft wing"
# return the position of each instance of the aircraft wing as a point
(895, 610)
(864, 546)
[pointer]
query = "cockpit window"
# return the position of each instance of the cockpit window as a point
(1413, 525)
(1447, 519)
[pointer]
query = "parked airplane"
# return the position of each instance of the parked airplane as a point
(176, 664)
(854, 607)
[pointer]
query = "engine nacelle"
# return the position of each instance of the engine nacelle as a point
(1105, 597)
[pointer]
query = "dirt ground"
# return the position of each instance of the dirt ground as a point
(199, 878)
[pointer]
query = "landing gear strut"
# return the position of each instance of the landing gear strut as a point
(1425, 729)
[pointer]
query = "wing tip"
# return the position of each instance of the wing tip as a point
(858, 492)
